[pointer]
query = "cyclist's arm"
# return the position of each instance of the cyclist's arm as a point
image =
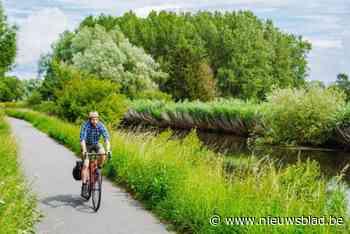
(108, 145)
(83, 133)
(83, 146)
(106, 138)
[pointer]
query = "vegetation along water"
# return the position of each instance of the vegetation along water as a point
(226, 72)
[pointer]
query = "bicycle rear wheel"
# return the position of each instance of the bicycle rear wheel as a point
(96, 190)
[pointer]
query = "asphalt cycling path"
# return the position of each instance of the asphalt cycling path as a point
(48, 167)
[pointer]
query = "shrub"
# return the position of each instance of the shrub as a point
(298, 116)
(48, 107)
(34, 99)
(80, 96)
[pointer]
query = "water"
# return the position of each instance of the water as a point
(332, 162)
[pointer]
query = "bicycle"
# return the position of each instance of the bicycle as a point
(94, 184)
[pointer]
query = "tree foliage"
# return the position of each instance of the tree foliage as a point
(80, 95)
(30, 86)
(105, 55)
(7, 43)
(248, 56)
(11, 89)
(207, 54)
(343, 83)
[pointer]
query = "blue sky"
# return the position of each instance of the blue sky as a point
(325, 23)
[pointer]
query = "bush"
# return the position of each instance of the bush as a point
(48, 107)
(34, 99)
(80, 96)
(298, 116)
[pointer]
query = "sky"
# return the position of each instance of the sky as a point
(325, 23)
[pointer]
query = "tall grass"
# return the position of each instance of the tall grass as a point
(232, 116)
(186, 184)
(17, 204)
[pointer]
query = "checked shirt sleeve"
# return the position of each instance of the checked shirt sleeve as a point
(83, 132)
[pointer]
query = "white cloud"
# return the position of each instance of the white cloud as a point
(326, 43)
(144, 11)
(37, 33)
(160, 4)
(96, 4)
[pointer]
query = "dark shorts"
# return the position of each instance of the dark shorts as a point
(98, 148)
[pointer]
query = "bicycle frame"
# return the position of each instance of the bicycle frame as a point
(93, 165)
(93, 179)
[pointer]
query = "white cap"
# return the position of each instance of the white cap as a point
(93, 114)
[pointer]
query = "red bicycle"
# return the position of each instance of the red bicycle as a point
(94, 184)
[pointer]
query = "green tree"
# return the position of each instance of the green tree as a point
(56, 74)
(247, 56)
(105, 55)
(343, 83)
(11, 89)
(7, 44)
(30, 86)
(190, 77)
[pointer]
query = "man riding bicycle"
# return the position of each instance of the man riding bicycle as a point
(90, 133)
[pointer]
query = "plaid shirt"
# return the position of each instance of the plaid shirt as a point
(92, 134)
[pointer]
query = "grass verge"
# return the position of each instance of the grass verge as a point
(17, 204)
(185, 184)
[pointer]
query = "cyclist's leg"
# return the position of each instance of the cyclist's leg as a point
(85, 171)
(101, 158)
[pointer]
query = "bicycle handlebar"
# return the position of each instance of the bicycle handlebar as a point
(95, 154)
(109, 154)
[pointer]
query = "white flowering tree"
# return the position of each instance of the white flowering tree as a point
(109, 55)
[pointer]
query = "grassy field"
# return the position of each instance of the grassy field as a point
(185, 184)
(17, 204)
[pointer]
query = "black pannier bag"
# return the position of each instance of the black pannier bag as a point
(77, 170)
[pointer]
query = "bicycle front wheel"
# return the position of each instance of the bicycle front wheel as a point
(97, 191)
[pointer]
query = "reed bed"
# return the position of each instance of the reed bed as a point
(232, 116)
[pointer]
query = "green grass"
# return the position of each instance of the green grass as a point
(185, 184)
(17, 203)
